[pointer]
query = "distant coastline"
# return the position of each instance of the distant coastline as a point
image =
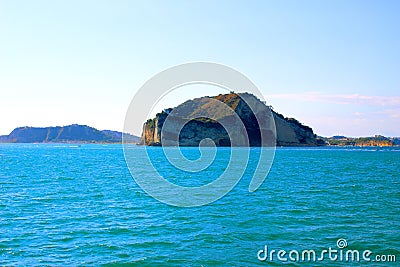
(83, 134)
(375, 141)
(74, 133)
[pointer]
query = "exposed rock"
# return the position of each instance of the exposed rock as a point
(289, 132)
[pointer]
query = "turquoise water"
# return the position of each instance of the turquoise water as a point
(78, 205)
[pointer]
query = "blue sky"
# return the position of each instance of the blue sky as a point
(333, 65)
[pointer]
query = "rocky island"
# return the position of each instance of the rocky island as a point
(289, 131)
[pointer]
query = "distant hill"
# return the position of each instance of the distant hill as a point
(375, 141)
(65, 134)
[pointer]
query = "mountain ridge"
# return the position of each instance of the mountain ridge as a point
(73, 133)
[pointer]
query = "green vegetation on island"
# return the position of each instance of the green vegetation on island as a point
(375, 141)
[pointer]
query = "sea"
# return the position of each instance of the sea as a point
(78, 205)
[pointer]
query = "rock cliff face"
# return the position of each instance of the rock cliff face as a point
(289, 132)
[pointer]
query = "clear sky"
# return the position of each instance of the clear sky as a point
(333, 65)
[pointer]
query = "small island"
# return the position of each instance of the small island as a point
(289, 131)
